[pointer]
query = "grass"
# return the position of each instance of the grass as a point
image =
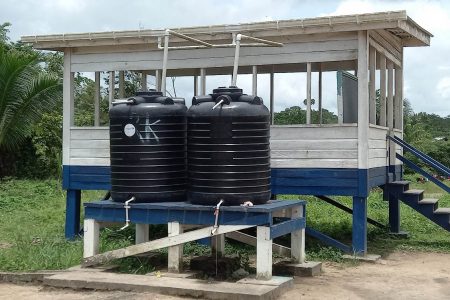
(32, 229)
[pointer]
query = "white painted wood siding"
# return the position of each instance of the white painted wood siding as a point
(298, 146)
(89, 146)
(303, 146)
(378, 146)
(342, 48)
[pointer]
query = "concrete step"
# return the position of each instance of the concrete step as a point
(400, 182)
(428, 201)
(443, 210)
(413, 194)
(271, 289)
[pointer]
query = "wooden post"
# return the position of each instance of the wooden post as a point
(218, 245)
(308, 93)
(195, 85)
(97, 100)
(320, 94)
(91, 237)
(254, 80)
(359, 228)
(175, 253)
(121, 84)
(372, 92)
(157, 80)
(298, 238)
(68, 104)
(142, 233)
(112, 87)
(390, 110)
(382, 90)
(203, 81)
(144, 81)
(263, 253)
(271, 97)
(73, 204)
(363, 101)
(398, 118)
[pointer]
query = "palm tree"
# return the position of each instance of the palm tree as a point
(26, 92)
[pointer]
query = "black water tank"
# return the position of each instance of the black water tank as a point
(228, 148)
(148, 149)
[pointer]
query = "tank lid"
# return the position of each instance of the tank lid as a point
(150, 92)
(227, 90)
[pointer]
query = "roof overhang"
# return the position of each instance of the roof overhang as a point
(396, 22)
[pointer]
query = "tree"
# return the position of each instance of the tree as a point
(26, 92)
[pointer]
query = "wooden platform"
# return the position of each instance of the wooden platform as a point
(273, 219)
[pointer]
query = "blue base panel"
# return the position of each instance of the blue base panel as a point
(296, 181)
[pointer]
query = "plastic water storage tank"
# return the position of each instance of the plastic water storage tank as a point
(148, 149)
(228, 148)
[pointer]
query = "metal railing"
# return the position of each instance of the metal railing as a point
(439, 167)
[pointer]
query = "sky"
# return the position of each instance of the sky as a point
(426, 69)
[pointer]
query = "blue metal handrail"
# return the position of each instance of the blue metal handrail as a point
(423, 172)
(424, 157)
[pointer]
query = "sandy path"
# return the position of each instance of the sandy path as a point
(400, 276)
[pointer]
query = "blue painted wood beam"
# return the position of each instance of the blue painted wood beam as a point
(359, 226)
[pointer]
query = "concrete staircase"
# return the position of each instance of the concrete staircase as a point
(426, 206)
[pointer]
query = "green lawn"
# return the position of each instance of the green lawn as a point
(32, 228)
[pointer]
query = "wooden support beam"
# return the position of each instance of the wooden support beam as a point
(254, 80)
(158, 80)
(97, 100)
(175, 253)
(68, 104)
(308, 93)
(251, 240)
(91, 237)
(398, 116)
(144, 81)
(363, 101)
(298, 238)
(271, 97)
(218, 245)
(320, 94)
(359, 226)
(203, 81)
(382, 90)
(112, 87)
(121, 84)
(142, 233)
(263, 253)
(160, 243)
(372, 91)
(390, 110)
(195, 85)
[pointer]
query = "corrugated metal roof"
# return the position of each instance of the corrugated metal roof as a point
(396, 22)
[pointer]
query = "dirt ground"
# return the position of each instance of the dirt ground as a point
(399, 276)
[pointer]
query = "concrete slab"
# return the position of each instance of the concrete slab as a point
(306, 269)
(21, 277)
(164, 285)
(274, 281)
(370, 258)
(172, 275)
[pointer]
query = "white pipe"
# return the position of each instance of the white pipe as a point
(165, 58)
(236, 59)
(217, 104)
(188, 38)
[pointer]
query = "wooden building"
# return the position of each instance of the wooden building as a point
(347, 158)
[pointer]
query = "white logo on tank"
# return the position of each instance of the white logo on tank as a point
(129, 130)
